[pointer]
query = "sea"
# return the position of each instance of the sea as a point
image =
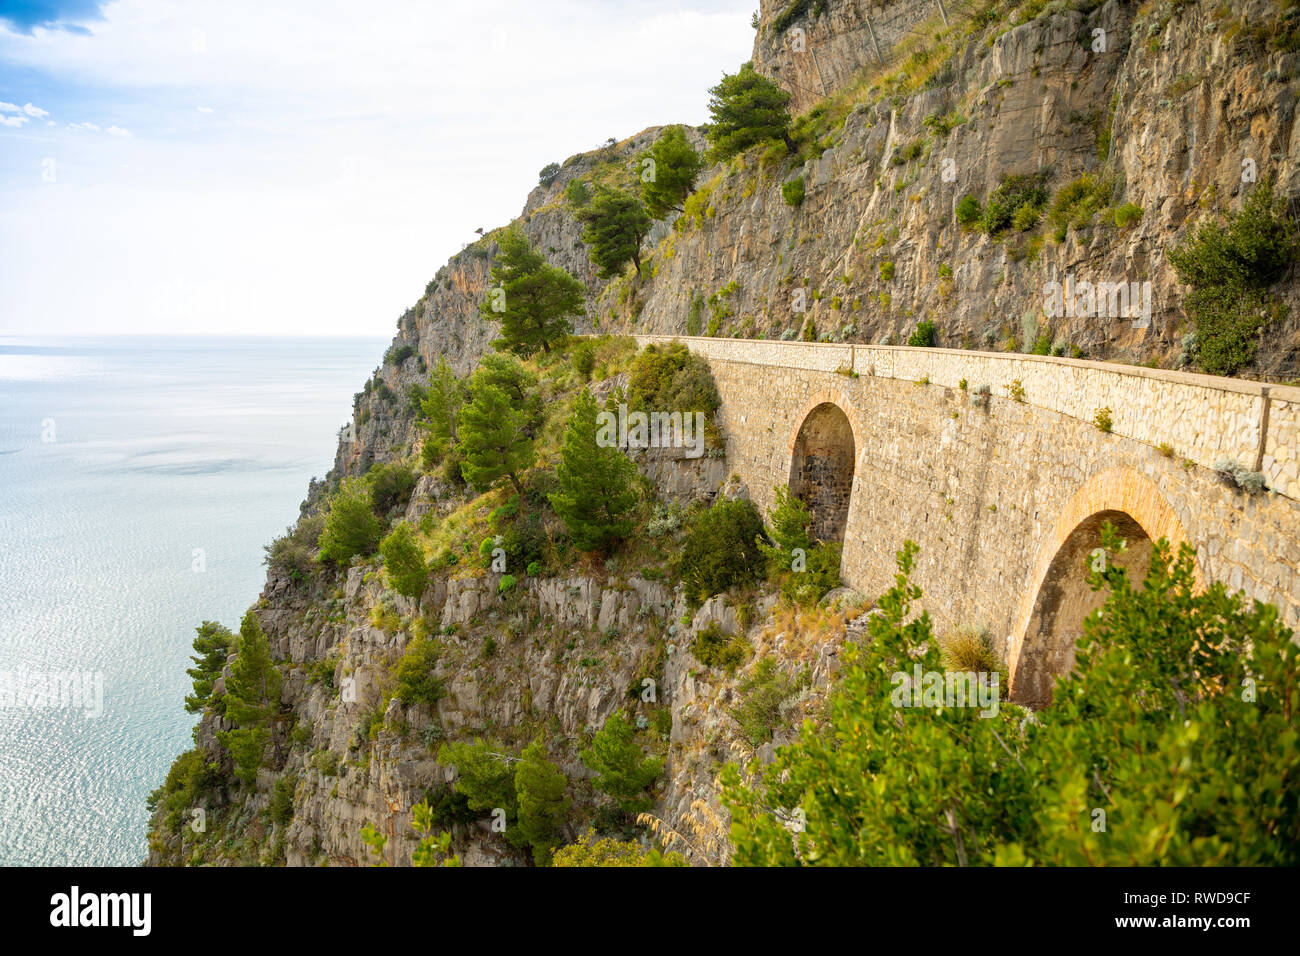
(140, 478)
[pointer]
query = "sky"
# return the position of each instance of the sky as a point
(304, 168)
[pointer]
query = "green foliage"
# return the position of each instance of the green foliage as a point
(1230, 267)
(533, 299)
(390, 486)
(212, 646)
(747, 109)
(622, 769)
(293, 553)
(548, 174)
(190, 781)
(671, 378)
(404, 561)
(616, 223)
(820, 575)
(516, 381)
(543, 807)
(676, 167)
(252, 699)
(279, 808)
(925, 335)
(589, 851)
(887, 269)
(714, 647)
(584, 360)
(439, 411)
(484, 777)
(721, 550)
(597, 482)
(351, 527)
(577, 193)
(1076, 203)
(1012, 194)
(431, 850)
(1177, 723)
(762, 695)
(793, 192)
(1102, 419)
(788, 523)
(969, 210)
(1127, 214)
(416, 681)
(494, 438)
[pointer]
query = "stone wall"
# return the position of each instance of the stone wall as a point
(992, 490)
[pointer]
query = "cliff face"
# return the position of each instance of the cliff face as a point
(1168, 110)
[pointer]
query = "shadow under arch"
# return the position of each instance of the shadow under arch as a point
(1053, 610)
(823, 459)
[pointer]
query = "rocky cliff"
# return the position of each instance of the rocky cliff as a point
(1166, 110)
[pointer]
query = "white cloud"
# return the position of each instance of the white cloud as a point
(10, 108)
(359, 142)
(35, 111)
(12, 120)
(117, 131)
(78, 127)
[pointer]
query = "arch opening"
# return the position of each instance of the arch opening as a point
(821, 470)
(1064, 600)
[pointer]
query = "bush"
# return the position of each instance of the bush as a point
(390, 486)
(279, 809)
(670, 378)
(821, 574)
(1102, 419)
(293, 553)
(589, 851)
(762, 695)
(622, 770)
(721, 550)
(793, 191)
(1178, 721)
(713, 647)
(1010, 196)
(925, 335)
(969, 210)
(351, 527)
(404, 562)
(416, 682)
(1230, 267)
(1127, 214)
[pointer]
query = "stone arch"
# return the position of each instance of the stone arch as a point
(1053, 609)
(823, 460)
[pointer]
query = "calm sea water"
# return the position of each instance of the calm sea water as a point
(139, 480)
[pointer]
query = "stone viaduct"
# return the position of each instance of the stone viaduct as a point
(1006, 495)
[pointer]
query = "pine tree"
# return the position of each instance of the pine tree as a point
(537, 300)
(747, 109)
(252, 698)
(616, 223)
(213, 647)
(622, 770)
(404, 561)
(351, 527)
(494, 439)
(674, 169)
(439, 411)
(519, 384)
(543, 806)
(596, 493)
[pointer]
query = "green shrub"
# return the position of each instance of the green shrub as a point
(721, 550)
(925, 335)
(293, 553)
(212, 643)
(671, 378)
(1178, 722)
(1010, 196)
(404, 561)
(1103, 420)
(390, 486)
(589, 851)
(279, 808)
(622, 770)
(1127, 214)
(713, 647)
(762, 695)
(1230, 267)
(969, 210)
(887, 270)
(351, 527)
(416, 682)
(793, 191)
